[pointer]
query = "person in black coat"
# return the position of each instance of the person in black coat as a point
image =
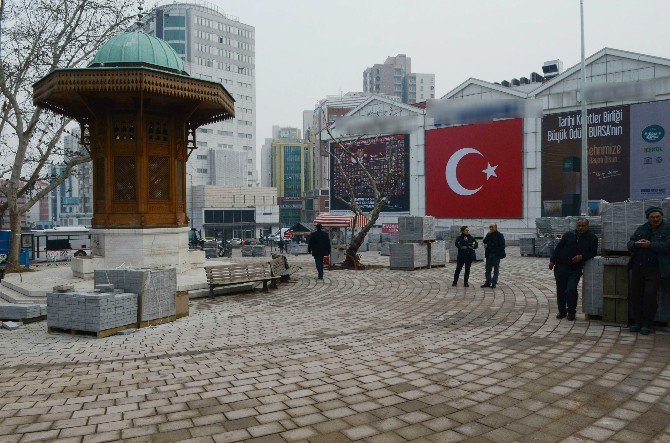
(575, 248)
(319, 247)
(466, 245)
(494, 251)
(650, 264)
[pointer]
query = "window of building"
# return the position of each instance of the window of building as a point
(174, 21)
(201, 144)
(174, 34)
(202, 157)
(201, 171)
(180, 48)
(206, 130)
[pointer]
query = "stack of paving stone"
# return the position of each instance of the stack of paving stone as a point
(557, 226)
(544, 246)
(592, 299)
(20, 311)
(527, 245)
(620, 220)
(413, 250)
(211, 249)
(100, 310)
(258, 251)
(438, 253)
(156, 289)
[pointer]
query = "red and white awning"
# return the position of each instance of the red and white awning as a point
(329, 220)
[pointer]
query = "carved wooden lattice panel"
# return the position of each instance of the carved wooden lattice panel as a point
(159, 178)
(157, 131)
(99, 190)
(123, 130)
(180, 183)
(125, 188)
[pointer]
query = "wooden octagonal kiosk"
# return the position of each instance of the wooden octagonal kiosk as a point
(138, 112)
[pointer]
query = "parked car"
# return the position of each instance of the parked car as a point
(235, 242)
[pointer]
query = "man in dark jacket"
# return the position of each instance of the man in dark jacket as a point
(466, 245)
(650, 245)
(319, 247)
(494, 251)
(567, 261)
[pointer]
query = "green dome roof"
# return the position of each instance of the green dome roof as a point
(138, 48)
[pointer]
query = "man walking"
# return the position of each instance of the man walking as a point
(466, 245)
(650, 245)
(567, 262)
(494, 251)
(319, 247)
(281, 244)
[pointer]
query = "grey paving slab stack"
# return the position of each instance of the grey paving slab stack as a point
(385, 248)
(592, 301)
(373, 246)
(438, 253)
(91, 311)
(527, 245)
(247, 251)
(544, 246)
(20, 311)
(258, 251)
(408, 256)
(416, 228)
(156, 289)
(621, 219)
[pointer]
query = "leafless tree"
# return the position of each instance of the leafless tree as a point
(38, 37)
(383, 186)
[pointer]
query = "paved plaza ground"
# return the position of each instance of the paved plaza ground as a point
(374, 356)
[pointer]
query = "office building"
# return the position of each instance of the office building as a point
(395, 77)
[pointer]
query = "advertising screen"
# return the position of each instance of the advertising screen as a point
(650, 150)
(475, 171)
(385, 158)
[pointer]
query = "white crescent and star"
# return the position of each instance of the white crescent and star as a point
(452, 166)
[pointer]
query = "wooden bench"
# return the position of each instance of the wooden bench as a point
(229, 275)
(280, 268)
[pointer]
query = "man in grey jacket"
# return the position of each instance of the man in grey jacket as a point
(650, 262)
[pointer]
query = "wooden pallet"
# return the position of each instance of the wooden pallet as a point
(99, 334)
(409, 269)
(589, 317)
(157, 321)
(604, 253)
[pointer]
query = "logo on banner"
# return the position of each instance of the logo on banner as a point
(653, 133)
(452, 166)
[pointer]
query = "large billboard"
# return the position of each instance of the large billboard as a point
(475, 171)
(608, 158)
(650, 150)
(386, 158)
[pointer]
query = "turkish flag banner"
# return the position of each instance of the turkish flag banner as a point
(475, 171)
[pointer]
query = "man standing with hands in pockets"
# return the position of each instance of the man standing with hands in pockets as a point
(567, 262)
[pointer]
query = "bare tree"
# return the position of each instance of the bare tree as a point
(38, 37)
(383, 186)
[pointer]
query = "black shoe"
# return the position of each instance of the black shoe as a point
(571, 317)
(493, 286)
(466, 285)
(453, 284)
(635, 328)
(485, 285)
(560, 316)
(645, 331)
(320, 277)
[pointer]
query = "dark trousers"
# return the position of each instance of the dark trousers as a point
(459, 265)
(644, 303)
(318, 259)
(492, 264)
(567, 281)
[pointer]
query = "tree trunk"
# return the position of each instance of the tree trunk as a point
(350, 260)
(15, 239)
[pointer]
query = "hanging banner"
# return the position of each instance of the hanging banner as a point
(650, 150)
(608, 158)
(475, 171)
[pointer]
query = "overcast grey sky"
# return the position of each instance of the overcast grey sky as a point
(307, 49)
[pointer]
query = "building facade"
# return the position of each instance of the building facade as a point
(394, 77)
(216, 47)
(234, 212)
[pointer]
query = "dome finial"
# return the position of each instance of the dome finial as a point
(140, 16)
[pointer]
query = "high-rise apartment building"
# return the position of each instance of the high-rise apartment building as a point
(216, 47)
(395, 77)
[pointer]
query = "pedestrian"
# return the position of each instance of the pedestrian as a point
(281, 244)
(319, 247)
(466, 245)
(650, 262)
(573, 250)
(494, 251)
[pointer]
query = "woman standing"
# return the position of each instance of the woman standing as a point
(466, 245)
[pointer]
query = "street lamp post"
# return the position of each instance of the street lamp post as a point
(584, 207)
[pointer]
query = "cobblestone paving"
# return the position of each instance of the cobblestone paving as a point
(374, 356)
